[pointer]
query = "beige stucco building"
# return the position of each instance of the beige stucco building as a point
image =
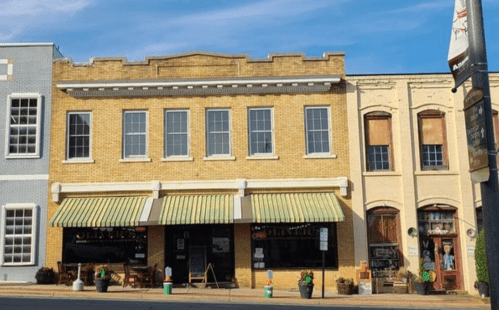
(412, 196)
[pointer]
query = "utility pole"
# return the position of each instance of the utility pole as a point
(490, 188)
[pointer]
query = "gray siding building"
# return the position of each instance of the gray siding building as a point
(25, 96)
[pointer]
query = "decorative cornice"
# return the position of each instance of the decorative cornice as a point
(199, 87)
(239, 185)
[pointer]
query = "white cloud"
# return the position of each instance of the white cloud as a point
(18, 16)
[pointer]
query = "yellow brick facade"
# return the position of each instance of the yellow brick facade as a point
(289, 161)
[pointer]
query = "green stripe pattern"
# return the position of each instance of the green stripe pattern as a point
(296, 208)
(197, 209)
(99, 212)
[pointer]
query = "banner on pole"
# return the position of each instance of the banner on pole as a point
(459, 51)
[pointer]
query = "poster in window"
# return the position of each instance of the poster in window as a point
(220, 245)
(180, 244)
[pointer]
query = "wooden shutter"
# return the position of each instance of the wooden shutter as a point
(378, 131)
(432, 130)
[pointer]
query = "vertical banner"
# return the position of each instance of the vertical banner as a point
(459, 52)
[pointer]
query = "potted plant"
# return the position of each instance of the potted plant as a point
(404, 275)
(345, 286)
(421, 280)
(269, 289)
(482, 274)
(306, 284)
(102, 277)
(45, 275)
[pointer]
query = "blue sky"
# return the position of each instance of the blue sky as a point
(377, 36)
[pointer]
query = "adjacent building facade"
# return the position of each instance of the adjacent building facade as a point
(196, 159)
(25, 98)
(413, 197)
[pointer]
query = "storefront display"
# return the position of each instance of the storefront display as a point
(292, 246)
(105, 245)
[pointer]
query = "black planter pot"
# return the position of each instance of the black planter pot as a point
(102, 284)
(306, 290)
(483, 289)
(45, 277)
(421, 288)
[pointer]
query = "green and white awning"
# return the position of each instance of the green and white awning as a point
(197, 209)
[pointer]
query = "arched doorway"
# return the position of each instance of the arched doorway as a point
(383, 230)
(439, 245)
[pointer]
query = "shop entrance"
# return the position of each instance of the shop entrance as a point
(190, 248)
(439, 247)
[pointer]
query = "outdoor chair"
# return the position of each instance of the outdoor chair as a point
(87, 274)
(130, 279)
(149, 277)
(63, 276)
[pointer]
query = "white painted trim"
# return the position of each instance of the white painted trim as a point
(144, 157)
(259, 157)
(34, 229)
(219, 157)
(223, 156)
(178, 158)
(135, 160)
(38, 125)
(24, 177)
(144, 217)
(332, 80)
(320, 156)
(174, 157)
(271, 132)
(239, 184)
(79, 159)
(28, 44)
(330, 135)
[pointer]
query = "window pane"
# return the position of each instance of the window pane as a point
(176, 133)
(218, 137)
(22, 122)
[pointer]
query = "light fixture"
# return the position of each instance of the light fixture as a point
(471, 233)
(412, 232)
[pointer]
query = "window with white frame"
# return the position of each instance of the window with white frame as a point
(23, 125)
(79, 137)
(317, 130)
(218, 132)
(18, 234)
(176, 133)
(134, 134)
(260, 131)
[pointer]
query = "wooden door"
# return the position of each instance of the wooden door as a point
(448, 263)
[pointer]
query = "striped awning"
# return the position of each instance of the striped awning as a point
(296, 208)
(99, 212)
(197, 209)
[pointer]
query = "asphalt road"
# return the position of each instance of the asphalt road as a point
(27, 303)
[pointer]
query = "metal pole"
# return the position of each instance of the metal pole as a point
(489, 189)
(323, 268)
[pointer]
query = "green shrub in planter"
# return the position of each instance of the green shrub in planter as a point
(482, 274)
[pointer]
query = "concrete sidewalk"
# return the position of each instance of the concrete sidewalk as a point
(247, 296)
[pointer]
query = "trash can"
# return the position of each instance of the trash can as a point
(269, 291)
(167, 288)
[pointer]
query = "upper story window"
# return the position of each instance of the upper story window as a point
(134, 134)
(18, 234)
(260, 131)
(317, 129)
(79, 135)
(378, 141)
(218, 132)
(23, 126)
(176, 133)
(433, 140)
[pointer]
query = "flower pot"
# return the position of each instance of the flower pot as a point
(483, 289)
(45, 277)
(269, 291)
(421, 288)
(101, 285)
(345, 289)
(306, 290)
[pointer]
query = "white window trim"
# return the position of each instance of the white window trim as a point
(135, 157)
(34, 228)
(38, 124)
(178, 157)
(88, 159)
(270, 155)
(330, 136)
(219, 156)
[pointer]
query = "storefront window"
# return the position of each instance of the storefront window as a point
(436, 222)
(105, 245)
(292, 246)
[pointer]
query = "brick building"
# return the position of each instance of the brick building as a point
(202, 158)
(409, 154)
(25, 98)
